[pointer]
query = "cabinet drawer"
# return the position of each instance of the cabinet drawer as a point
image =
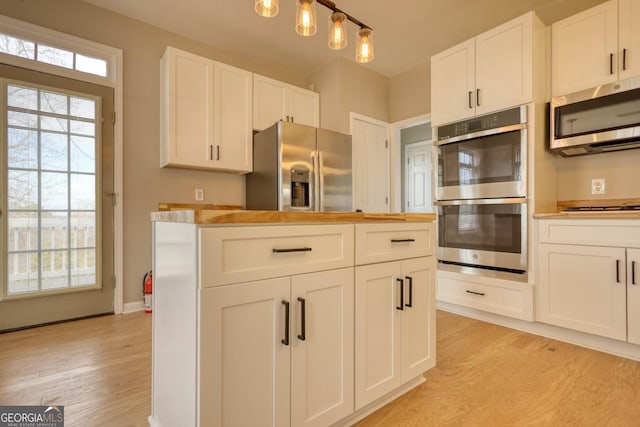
(599, 232)
(512, 299)
(241, 254)
(389, 242)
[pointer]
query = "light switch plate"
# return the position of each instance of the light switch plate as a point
(199, 194)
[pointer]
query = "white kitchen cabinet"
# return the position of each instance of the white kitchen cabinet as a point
(255, 356)
(206, 114)
(225, 352)
(490, 72)
(598, 46)
(275, 100)
(586, 276)
(633, 296)
(395, 325)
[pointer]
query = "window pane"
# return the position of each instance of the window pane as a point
(54, 230)
(52, 55)
(53, 147)
(22, 148)
(82, 128)
(17, 47)
(83, 267)
(91, 65)
(22, 119)
(82, 107)
(22, 231)
(83, 192)
(54, 123)
(83, 230)
(55, 269)
(54, 191)
(22, 97)
(22, 192)
(23, 272)
(51, 102)
(83, 154)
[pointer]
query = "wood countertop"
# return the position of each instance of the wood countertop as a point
(561, 205)
(207, 216)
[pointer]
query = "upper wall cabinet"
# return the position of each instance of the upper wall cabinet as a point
(275, 100)
(206, 114)
(598, 46)
(490, 72)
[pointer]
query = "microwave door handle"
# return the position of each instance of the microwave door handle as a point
(321, 181)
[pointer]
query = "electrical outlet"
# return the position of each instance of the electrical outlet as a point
(597, 186)
(199, 194)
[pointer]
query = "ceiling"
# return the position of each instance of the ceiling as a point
(406, 32)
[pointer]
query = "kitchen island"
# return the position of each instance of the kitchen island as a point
(289, 318)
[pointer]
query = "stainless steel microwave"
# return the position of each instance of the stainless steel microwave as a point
(606, 118)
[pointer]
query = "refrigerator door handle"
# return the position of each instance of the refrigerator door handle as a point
(321, 180)
(315, 193)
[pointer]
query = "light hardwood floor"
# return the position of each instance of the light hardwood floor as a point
(486, 375)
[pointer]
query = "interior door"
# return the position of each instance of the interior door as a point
(371, 180)
(418, 192)
(57, 189)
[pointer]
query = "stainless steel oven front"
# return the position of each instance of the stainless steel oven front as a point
(484, 236)
(483, 157)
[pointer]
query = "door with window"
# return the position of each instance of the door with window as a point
(57, 189)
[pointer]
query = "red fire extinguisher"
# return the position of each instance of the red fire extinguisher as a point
(147, 291)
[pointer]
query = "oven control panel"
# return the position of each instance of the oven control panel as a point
(477, 124)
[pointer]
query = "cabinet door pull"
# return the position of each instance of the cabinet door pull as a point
(611, 63)
(478, 97)
(402, 240)
(617, 271)
(475, 293)
(470, 104)
(292, 119)
(217, 152)
(211, 152)
(303, 317)
(285, 341)
(624, 59)
(287, 250)
(633, 273)
(287, 118)
(401, 306)
(410, 280)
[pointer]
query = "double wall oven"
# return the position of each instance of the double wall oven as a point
(481, 195)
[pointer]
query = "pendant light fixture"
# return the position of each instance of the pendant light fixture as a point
(364, 47)
(306, 24)
(267, 8)
(338, 31)
(306, 17)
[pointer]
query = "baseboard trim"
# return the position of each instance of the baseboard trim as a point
(593, 342)
(132, 307)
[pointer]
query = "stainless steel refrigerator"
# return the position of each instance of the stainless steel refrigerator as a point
(300, 168)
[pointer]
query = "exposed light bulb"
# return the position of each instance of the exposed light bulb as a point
(337, 33)
(306, 17)
(364, 47)
(267, 8)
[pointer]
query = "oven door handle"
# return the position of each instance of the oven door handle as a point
(482, 133)
(505, 201)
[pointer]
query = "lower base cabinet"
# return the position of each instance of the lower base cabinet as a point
(395, 325)
(277, 352)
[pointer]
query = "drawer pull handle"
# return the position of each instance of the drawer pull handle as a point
(410, 280)
(401, 306)
(284, 251)
(303, 317)
(285, 341)
(402, 240)
(475, 293)
(617, 271)
(633, 273)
